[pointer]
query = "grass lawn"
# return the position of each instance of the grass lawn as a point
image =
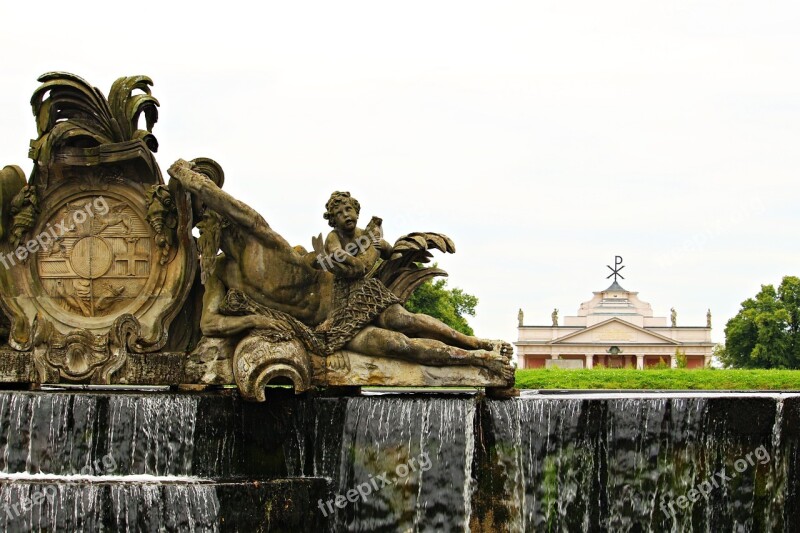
(680, 379)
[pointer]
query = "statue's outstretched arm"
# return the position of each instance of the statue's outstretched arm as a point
(223, 203)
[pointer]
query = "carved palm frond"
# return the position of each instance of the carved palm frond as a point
(66, 97)
(68, 109)
(402, 273)
(128, 107)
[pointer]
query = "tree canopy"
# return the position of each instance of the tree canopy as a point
(765, 333)
(448, 305)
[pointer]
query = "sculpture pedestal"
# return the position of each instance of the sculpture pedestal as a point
(345, 368)
(222, 362)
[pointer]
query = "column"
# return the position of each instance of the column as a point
(707, 361)
(589, 358)
(673, 361)
(640, 361)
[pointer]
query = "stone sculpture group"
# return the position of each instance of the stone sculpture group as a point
(103, 282)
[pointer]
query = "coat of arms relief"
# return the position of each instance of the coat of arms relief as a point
(97, 250)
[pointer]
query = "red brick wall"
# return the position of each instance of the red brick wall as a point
(532, 361)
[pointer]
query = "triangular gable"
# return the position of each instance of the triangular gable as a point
(614, 331)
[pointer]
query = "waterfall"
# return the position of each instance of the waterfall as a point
(171, 506)
(100, 461)
(35, 506)
(128, 506)
(414, 455)
(777, 482)
(47, 432)
(658, 463)
(545, 463)
(152, 434)
(72, 433)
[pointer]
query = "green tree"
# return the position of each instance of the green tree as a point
(448, 305)
(765, 333)
(680, 359)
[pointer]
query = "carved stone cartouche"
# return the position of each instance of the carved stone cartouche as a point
(98, 251)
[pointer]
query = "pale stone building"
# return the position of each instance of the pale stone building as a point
(614, 329)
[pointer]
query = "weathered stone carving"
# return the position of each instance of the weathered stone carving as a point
(356, 307)
(163, 218)
(12, 181)
(98, 261)
(87, 251)
(24, 209)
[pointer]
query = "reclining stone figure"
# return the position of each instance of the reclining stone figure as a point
(260, 283)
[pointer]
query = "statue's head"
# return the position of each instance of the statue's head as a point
(342, 211)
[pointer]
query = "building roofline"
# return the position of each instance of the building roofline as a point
(612, 343)
(678, 327)
(551, 327)
(668, 340)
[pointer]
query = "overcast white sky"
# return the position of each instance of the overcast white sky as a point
(543, 137)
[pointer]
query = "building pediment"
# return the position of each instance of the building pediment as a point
(614, 331)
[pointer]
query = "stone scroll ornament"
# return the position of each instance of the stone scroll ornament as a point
(96, 250)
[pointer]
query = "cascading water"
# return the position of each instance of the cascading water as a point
(532, 440)
(105, 506)
(47, 433)
(59, 453)
(29, 506)
(68, 433)
(639, 464)
(174, 506)
(777, 483)
(152, 434)
(414, 456)
(150, 461)
(95, 461)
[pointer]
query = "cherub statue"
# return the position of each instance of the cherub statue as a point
(351, 254)
(261, 282)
